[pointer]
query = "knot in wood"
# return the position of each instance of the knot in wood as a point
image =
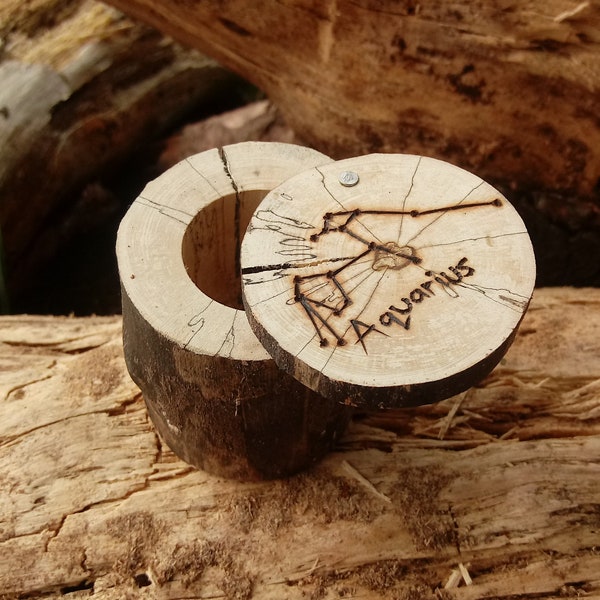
(392, 256)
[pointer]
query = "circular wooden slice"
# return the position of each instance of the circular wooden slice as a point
(386, 280)
(212, 390)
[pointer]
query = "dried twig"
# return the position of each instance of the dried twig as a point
(447, 421)
(508, 433)
(458, 575)
(365, 482)
(453, 580)
(569, 14)
(465, 574)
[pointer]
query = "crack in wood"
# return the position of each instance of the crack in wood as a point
(175, 214)
(237, 214)
(27, 384)
(110, 412)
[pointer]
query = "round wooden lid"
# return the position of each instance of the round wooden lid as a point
(386, 280)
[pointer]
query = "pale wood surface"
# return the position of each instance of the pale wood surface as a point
(503, 482)
(386, 280)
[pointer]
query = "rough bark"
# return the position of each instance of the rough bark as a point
(508, 90)
(489, 495)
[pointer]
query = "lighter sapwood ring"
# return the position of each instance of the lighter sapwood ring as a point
(407, 286)
(213, 392)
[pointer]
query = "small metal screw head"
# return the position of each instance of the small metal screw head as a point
(348, 178)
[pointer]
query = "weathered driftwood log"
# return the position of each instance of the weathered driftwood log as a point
(493, 494)
(82, 88)
(509, 91)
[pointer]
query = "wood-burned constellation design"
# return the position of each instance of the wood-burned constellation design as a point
(324, 294)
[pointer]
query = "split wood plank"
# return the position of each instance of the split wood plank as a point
(93, 504)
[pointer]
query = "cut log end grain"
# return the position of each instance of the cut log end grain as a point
(214, 393)
(405, 283)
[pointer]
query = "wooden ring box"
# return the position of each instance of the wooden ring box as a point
(379, 281)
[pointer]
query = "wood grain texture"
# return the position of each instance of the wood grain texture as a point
(498, 487)
(405, 285)
(213, 391)
(506, 89)
(83, 88)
